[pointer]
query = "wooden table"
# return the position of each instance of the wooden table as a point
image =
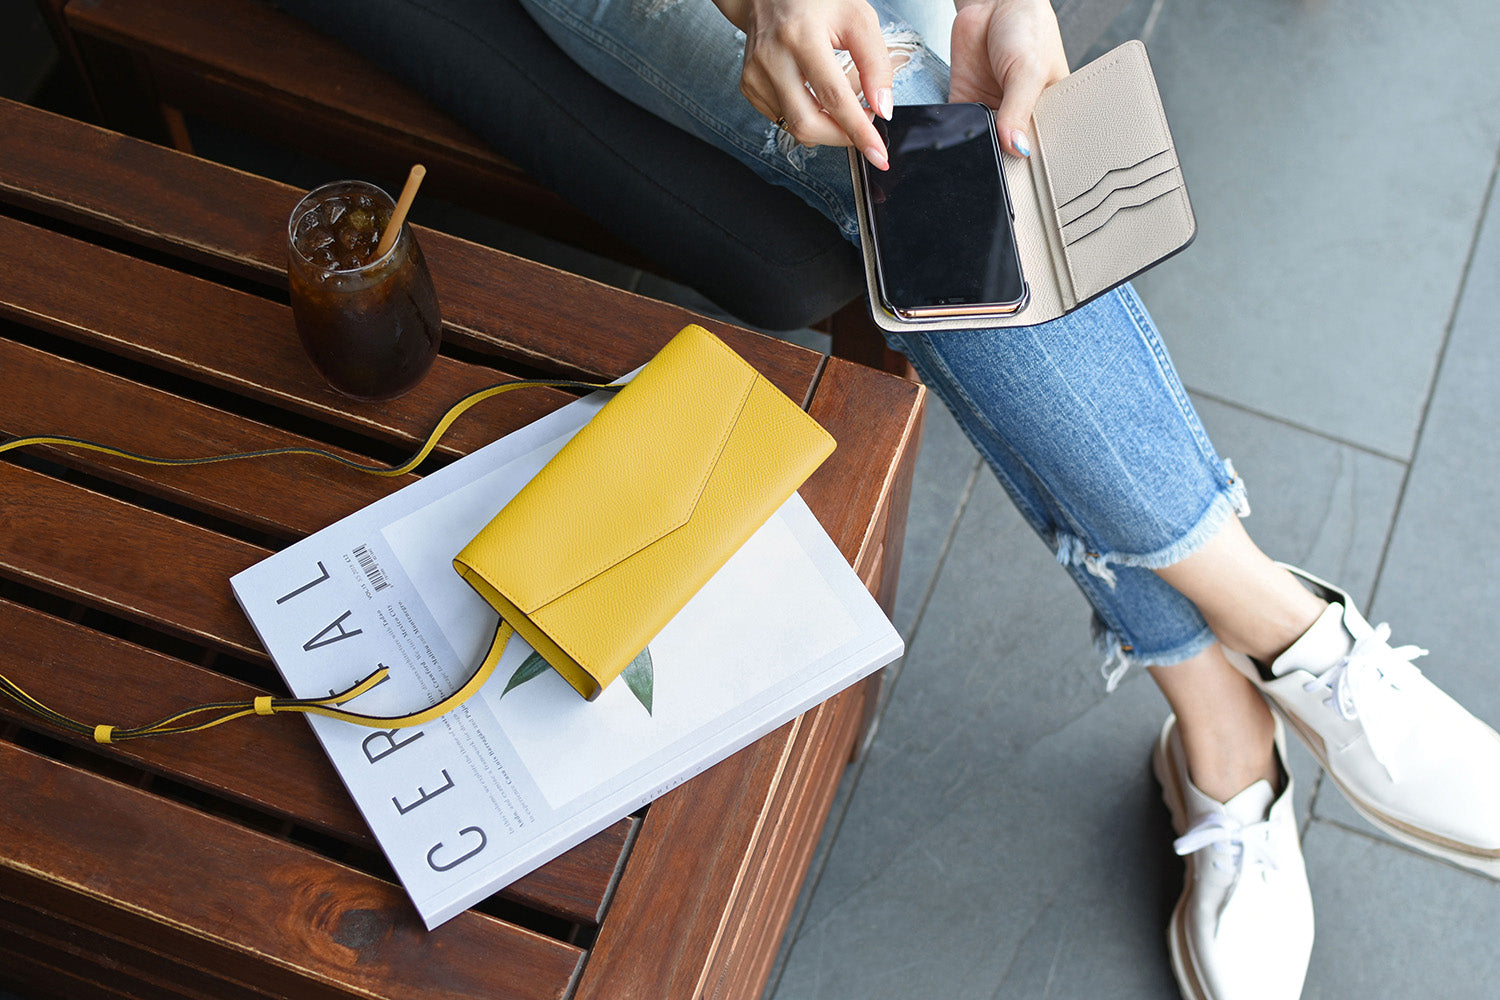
(142, 301)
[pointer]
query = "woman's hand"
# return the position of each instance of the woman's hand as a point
(1004, 53)
(789, 47)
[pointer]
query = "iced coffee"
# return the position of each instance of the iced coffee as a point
(369, 324)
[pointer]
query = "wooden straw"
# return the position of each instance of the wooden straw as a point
(398, 214)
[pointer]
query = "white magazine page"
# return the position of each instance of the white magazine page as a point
(469, 802)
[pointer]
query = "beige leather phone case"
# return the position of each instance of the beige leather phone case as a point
(1100, 199)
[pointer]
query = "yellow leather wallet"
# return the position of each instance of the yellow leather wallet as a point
(630, 519)
(597, 553)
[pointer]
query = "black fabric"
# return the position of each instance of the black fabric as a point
(708, 221)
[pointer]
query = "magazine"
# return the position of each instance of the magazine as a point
(526, 769)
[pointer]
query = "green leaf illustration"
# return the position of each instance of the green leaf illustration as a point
(532, 666)
(641, 678)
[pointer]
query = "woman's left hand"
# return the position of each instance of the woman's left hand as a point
(1005, 52)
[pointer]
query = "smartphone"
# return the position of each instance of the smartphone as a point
(941, 216)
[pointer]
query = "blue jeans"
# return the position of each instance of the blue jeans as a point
(1083, 420)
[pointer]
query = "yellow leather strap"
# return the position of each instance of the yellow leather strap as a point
(328, 706)
(454, 412)
(206, 716)
(202, 717)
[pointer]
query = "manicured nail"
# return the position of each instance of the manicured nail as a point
(885, 103)
(1018, 140)
(876, 155)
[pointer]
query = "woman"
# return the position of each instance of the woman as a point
(1107, 461)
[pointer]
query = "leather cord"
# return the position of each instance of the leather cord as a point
(206, 716)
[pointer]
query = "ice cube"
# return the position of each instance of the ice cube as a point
(334, 209)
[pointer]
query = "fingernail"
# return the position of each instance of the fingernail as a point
(1018, 140)
(885, 103)
(876, 155)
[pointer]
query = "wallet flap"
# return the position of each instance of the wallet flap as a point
(1101, 120)
(1111, 172)
(648, 464)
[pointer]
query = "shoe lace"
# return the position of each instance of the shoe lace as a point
(1363, 685)
(1238, 846)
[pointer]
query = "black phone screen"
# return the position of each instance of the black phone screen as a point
(940, 217)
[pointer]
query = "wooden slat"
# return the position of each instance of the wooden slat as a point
(492, 301)
(163, 573)
(749, 949)
(723, 812)
(64, 960)
(274, 765)
(241, 63)
(45, 394)
(277, 917)
(31, 975)
(98, 296)
(272, 49)
(142, 566)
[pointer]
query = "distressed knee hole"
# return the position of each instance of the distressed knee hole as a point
(904, 46)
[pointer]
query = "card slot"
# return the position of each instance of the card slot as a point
(1105, 115)
(1120, 200)
(1114, 179)
(1135, 237)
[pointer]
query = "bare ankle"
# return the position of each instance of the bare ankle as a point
(1227, 731)
(1224, 761)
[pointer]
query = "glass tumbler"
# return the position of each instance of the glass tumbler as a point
(369, 325)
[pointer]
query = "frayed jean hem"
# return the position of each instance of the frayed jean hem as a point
(1233, 500)
(1120, 656)
(1118, 659)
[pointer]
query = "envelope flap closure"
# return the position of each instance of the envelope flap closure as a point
(622, 483)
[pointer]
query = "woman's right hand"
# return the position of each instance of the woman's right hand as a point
(792, 73)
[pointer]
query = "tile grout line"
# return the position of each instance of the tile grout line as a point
(1300, 428)
(1380, 839)
(1406, 464)
(965, 495)
(1437, 373)
(845, 796)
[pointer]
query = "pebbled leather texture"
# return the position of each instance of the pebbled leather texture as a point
(1101, 198)
(629, 520)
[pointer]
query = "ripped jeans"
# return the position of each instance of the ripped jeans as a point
(1083, 420)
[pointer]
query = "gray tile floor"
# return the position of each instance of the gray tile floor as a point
(1336, 322)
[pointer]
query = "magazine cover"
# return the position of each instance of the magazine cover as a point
(526, 769)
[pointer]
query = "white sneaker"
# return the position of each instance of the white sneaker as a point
(1408, 757)
(1243, 929)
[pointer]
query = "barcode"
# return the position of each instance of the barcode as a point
(372, 569)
